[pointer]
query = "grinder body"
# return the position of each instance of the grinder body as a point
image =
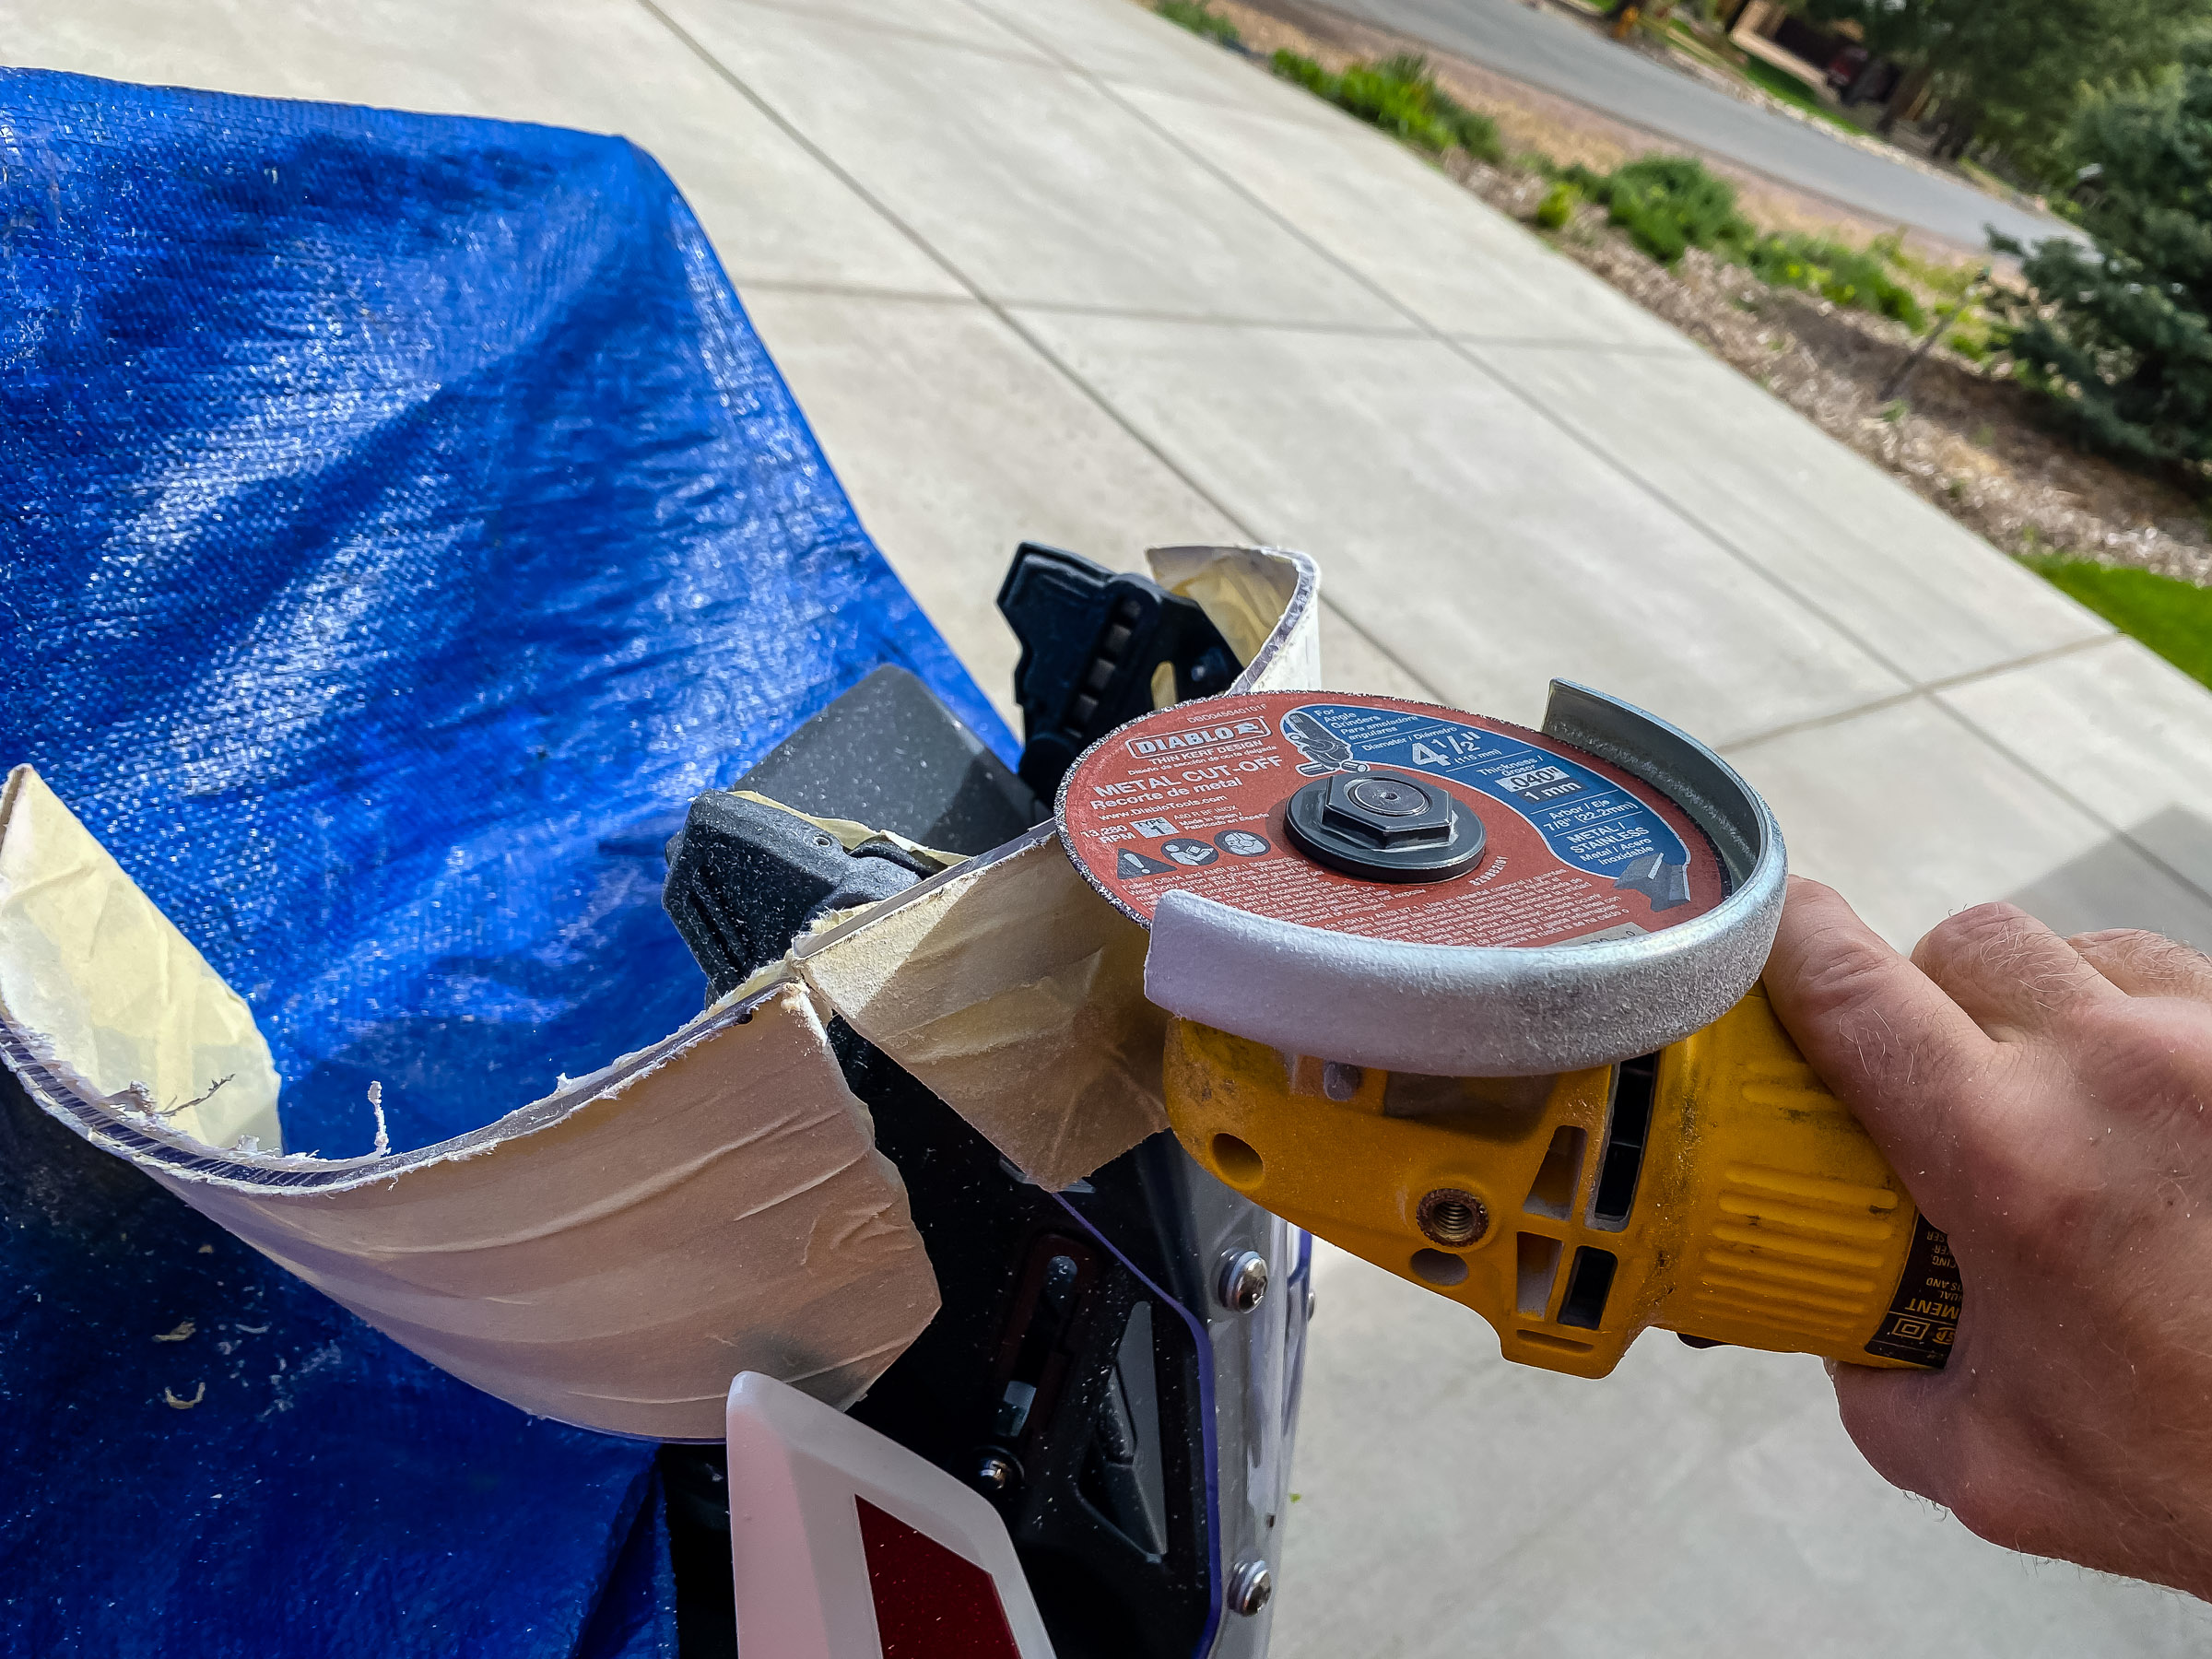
(1481, 1004)
(1714, 1189)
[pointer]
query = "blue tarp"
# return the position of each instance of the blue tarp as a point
(399, 522)
(404, 522)
(206, 1459)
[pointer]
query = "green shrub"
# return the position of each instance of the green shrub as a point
(1402, 98)
(1947, 280)
(1972, 337)
(2171, 616)
(1596, 186)
(1471, 130)
(1844, 275)
(1557, 205)
(1393, 103)
(1296, 67)
(1668, 204)
(1194, 15)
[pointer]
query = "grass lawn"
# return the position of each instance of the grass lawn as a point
(2173, 618)
(1995, 184)
(1789, 89)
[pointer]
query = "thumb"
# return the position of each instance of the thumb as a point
(1900, 1421)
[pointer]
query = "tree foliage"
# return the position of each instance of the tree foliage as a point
(2120, 336)
(2017, 68)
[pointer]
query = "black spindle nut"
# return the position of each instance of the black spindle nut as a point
(1385, 826)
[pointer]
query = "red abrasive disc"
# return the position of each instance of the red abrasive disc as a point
(1195, 797)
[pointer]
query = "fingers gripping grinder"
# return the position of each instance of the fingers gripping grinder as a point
(1480, 1004)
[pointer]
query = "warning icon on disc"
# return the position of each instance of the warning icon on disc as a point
(1184, 851)
(1132, 863)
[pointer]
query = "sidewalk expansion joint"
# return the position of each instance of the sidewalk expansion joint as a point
(975, 290)
(872, 26)
(1080, 308)
(1369, 637)
(1923, 689)
(1688, 348)
(1932, 694)
(1466, 354)
(2085, 805)
(847, 290)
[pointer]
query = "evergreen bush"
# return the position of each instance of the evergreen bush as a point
(2119, 336)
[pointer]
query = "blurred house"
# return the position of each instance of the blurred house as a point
(1833, 60)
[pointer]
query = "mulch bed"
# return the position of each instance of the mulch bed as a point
(1964, 436)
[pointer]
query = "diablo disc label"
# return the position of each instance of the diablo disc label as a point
(1195, 798)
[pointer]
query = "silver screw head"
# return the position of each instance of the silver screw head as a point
(1390, 796)
(1386, 810)
(1244, 1282)
(1249, 1587)
(996, 1473)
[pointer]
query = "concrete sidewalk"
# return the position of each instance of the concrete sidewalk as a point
(1052, 268)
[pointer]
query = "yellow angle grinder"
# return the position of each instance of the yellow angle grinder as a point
(1480, 1004)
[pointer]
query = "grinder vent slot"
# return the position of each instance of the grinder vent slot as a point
(1634, 1082)
(1589, 1283)
(1536, 1264)
(1562, 1171)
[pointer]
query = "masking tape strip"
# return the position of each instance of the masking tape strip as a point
(610, 1255)
(1005, 984)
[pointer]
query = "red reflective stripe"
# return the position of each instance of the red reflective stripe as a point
(930, 1601)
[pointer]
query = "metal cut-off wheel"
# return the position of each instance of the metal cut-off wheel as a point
(1393, 884)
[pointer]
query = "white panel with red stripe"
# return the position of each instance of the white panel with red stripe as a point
(847, 1546)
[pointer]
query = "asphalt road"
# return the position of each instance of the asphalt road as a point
(1573, 59)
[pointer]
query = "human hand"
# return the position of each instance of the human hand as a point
(2044, 1101)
